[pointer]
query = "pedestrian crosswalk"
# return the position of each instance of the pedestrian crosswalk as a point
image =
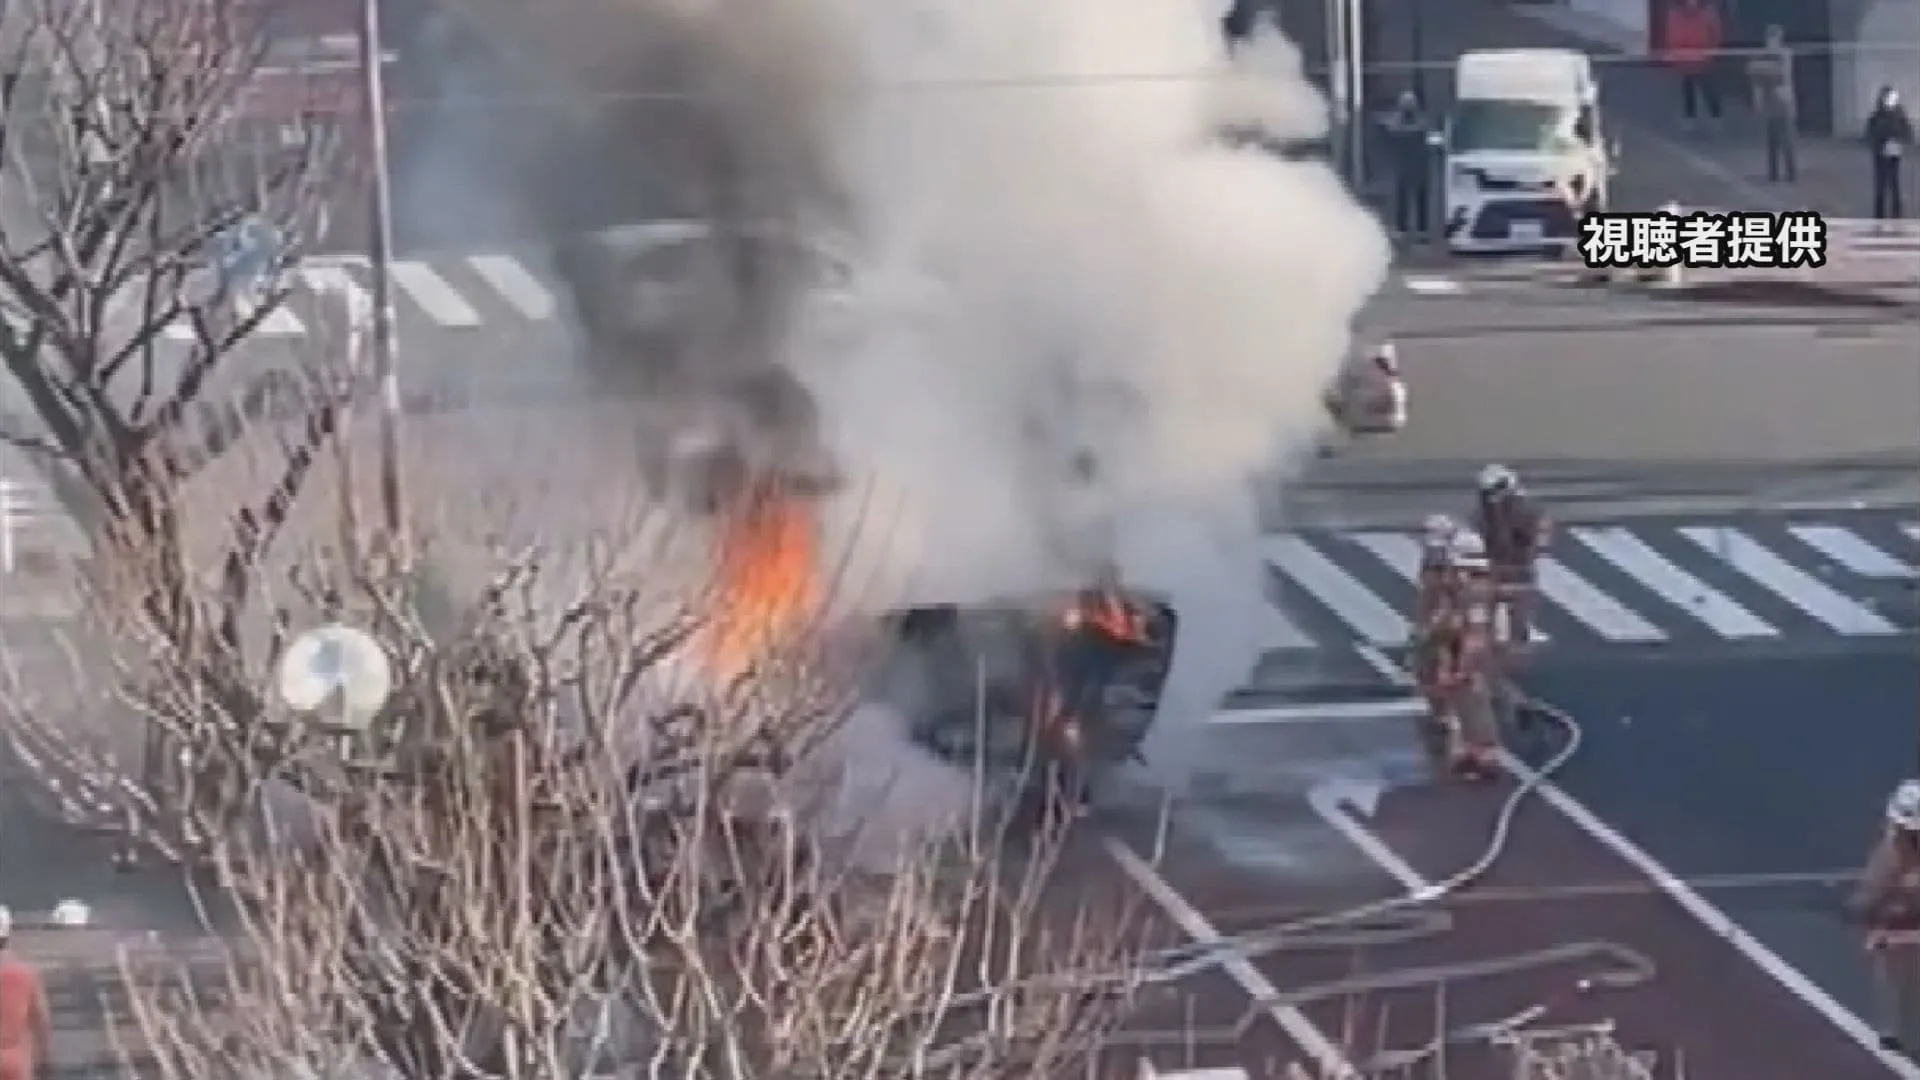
(489, 291)
(1650, 582)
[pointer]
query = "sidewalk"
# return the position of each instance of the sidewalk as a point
(1662, 160)
(1833, 170)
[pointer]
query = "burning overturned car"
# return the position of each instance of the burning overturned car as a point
(682, 319)
(1066, 683)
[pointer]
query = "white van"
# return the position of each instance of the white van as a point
(1525, 153)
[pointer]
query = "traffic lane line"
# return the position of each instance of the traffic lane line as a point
(1303, 1042)
(1705, 1003)
(1208, 1020)
(1728, 1012)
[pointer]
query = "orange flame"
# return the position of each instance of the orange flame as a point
(768, 584)
(1110, 614)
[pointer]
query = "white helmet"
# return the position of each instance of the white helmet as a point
(1903, 809)
(1469, 551)
(6, 923)
(1438, 530)
(1387, 358)
(1498, 479)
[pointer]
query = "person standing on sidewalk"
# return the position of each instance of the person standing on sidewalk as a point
(1775, 102)
(1889, 135)
(1690, 44)
(26, 1029)
(1411, 151)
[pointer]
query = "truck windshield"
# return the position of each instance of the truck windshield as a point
(1510, 126)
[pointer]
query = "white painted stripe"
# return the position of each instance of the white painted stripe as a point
(1401, 554)
(1637, 560)
(1703, 910)
(1844, 546)
(1264, 715)
(1282, 634)
(1319, 578)
(1223, 1072)
(332, 279)
(1788, 581)
(1399, 551)
(1584, 601)
(435, 296)
(278, 322)
(514, 284)
(1325, 1053)
(1710, 916)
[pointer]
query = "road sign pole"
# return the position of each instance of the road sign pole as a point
(380, 248)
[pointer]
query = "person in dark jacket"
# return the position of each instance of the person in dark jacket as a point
(1888, 135)
(1411, 151)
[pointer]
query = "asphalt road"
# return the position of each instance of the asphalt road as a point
(1619, 405)
(1764, 777)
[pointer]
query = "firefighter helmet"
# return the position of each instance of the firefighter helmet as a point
(1903, 809)
(1439, 530)
(1469, 552)
(1387, 358)
(1498, 480)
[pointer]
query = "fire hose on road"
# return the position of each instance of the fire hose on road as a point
(1403, 919)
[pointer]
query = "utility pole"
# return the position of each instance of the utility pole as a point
(1346, 85)
(380, 250)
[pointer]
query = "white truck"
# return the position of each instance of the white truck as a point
(1526, 155)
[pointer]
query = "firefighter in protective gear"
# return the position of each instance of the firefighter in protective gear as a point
(1457, 666)
(1370, 395)
(1438, 580)
(1515, 532)
(1887, 904)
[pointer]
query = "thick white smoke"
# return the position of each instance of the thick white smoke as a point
(1055, 250)
(1075, 324)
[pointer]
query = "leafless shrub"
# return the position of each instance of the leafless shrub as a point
(561, 849)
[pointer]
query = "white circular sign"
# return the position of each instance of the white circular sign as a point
(338, 673)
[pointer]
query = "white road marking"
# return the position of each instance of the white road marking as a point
(332, 278)
(1224, 1072)
(512, 281)
(1434, 286)
(277, 323)
(1280, 632)
(1581, 599)
(1336, 806)
(1277, 715)
(1401, 554)
(1845, 547)
(1633, 557)
(1399, 551)
(1789, 582)
(1317, 575)
(1325, 1053)
(1716, 921)
(440, 300)
(1702, 910)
